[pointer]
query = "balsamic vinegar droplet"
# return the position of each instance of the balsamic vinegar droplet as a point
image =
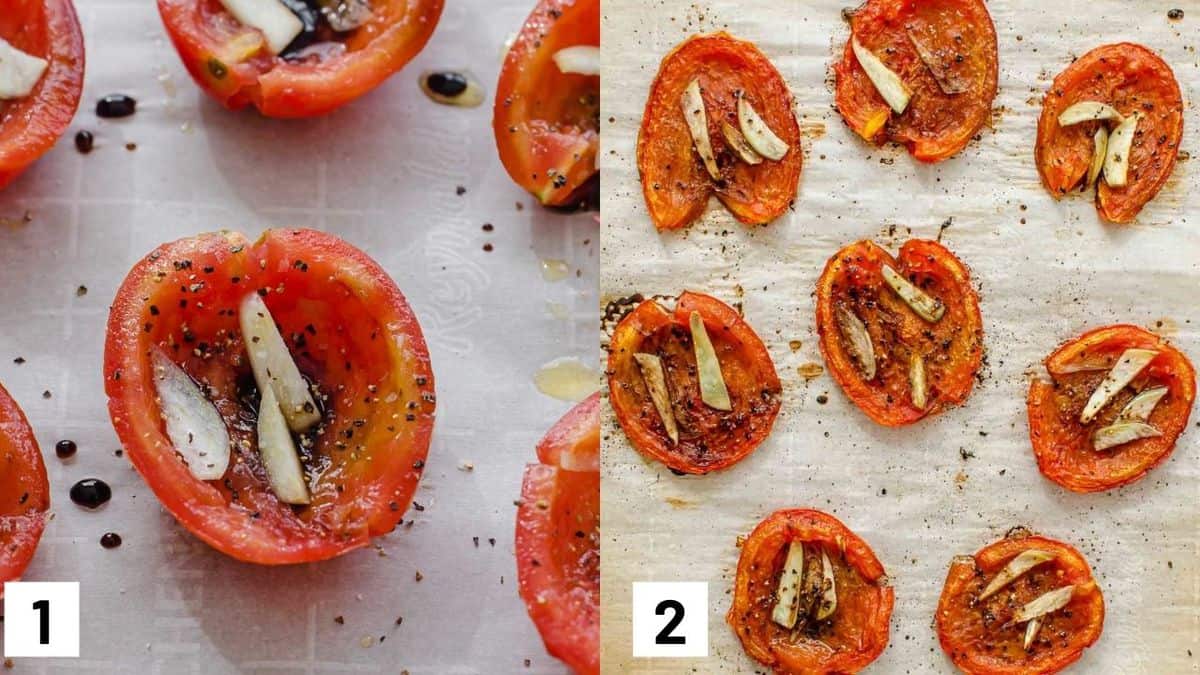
(91, 493)
(116, 105)
(84, 141)
(110, 540)
(65, 449)
(452, 88)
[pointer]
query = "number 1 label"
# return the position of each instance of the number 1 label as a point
(670, 619)
(41, 618)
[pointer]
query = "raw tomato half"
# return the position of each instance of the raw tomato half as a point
(1131, 79)
(951, 349)
(980, 637)
(351, 333)
(675, 183)
(709, 439)
(944, 51)
(547, 122)
(31, 125)
(231, 61)
(24, 491)
(558, 539)
(846, 641)
(1063, 444)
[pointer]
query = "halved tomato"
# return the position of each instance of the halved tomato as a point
(354, 339)
(708, 438)
(986, 636)
(675, 183)
(547, 122)
(558, 538)
(30, 126)
(1064, 445)
(853, 630)
(945, 53)
(24, 491)
(231, 61)
(1131, 79)
(947, 351)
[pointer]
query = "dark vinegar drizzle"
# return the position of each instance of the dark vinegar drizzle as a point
(446, 83)
(91, 493)
(110, 540)
(65, 449)
(116, 105)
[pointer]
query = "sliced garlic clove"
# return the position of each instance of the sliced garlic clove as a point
(916, 380)
(708, 368)
(19, 72)
(855, 332)
(926, 306)
(827, 603)
(947, 80)
(1122, 433)
(193, 424)
(1129, 364)
(887, 83)
(278, 452)
(1016, 567)
(738, 144)
(580, 60)
(757, 133)
(1031, 631)
(813, 583)
(1099, 151)
(692, 105)
(656, 383)
(787, 595)
(273, 365)
(1088, 111)
(277, 23)
(1044, 604)
(1139, 407)
(1116, 157)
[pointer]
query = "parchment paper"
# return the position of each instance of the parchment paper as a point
(1045, 270)
(381, 173)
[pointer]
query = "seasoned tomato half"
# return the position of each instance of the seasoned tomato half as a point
(24, 491)
(902, 336)
(212, 338)
(547, 112)
(1131, 81)
(694, 142)
(328, 64)
(1116, 400)
(558, 538)
(31, 124)
(666, 371)
(943, 53)
(1024, 604)
(810, 597)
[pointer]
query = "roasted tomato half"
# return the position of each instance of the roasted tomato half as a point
(24, 491)
(810, 597)
(718, 121)
(30, 125)
(1129, 81)
(331, 62)
(902, 336)
(1116, 400)
(666, 371)
(212, 338)
(547, 113)
(558, 538)
(941, 55)
(1024, 604)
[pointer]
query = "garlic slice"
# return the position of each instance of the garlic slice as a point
(1027, 560)
(787, 595)
(926, 306)
(1099, 151)
(1122, 433)
(277, 23)
(656, 383)
(1088, 111)
(1044, 604)
(757, 133)
(827, 602)
(1116, 157)
(193, 424)
(580, 60)
(278, 452)
(1129, 364)
(273, 365)
(692, 105)
(738, 144)
(1139, 407)
(887, 83)
(19, 72)
(916, 379)
(1031, 631)
(855, 331)
(708, 368)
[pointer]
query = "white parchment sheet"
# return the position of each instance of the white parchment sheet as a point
(383, 174)
(1045, 271)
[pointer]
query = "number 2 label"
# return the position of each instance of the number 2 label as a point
(41, 618)
(670, 619)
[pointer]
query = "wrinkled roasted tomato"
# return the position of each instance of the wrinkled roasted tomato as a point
(558, 538)
(846, 641)
(232, 63)
(675, 183)
(952, 92)
(950, 349)
(24, 491)
(353, 336)
(1131, 79)
(547, 122)
(30, 126)
(980, 636)
(1063, 444)
(709, 439)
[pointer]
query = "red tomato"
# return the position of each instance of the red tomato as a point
(24, 491)
(349, 330)
(558, 539)
(31, 125)
(231, 61)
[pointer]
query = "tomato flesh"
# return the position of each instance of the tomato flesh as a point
(24, 491)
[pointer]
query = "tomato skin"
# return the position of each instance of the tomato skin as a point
(24, 491)
(1128, 77)
(230, 62)
(962, 633)
(675, 184)
(860, 624)
(1062, 445)
(364, 348)
(30, 126)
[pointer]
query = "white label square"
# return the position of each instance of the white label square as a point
(670, 619)
(41, 618)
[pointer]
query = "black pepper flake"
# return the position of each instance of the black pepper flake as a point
(418, 506)
(339, 620)
(19, 360)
